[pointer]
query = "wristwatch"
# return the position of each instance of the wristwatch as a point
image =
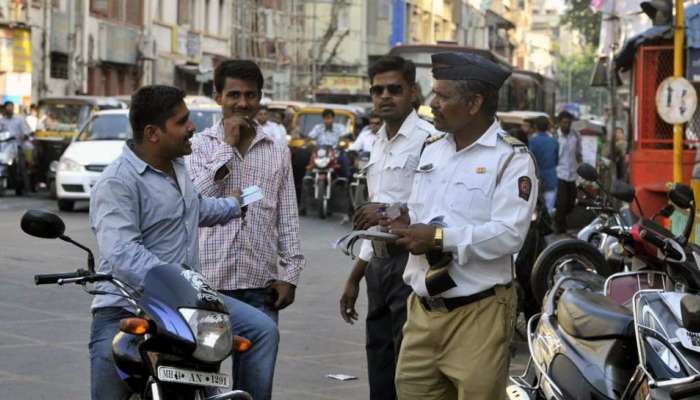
(439, 234)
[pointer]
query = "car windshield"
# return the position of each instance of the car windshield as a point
(203, 119)
(308, 121)
(106, 127)
(60, 116)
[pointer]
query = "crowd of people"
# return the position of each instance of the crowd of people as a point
(459, 195)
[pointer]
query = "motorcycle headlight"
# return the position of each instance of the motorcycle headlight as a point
(321, 153)
(5, 135)
(322, 162)
(68, 165)
(665, 354)
(212, 331)
(6, 158)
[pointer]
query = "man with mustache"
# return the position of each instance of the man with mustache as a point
(392, 166)
(469, 211)
(240, 259)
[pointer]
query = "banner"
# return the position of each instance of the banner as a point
(15, 50)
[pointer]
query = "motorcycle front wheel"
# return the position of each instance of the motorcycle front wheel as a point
(561, 257)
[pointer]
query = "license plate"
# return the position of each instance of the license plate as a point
(178, 375)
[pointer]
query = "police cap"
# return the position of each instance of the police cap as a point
(463, 67)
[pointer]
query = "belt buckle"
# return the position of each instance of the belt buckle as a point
(436, 304)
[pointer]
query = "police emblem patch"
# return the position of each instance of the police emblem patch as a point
(524, 187)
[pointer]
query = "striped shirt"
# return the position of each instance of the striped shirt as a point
(244, 253)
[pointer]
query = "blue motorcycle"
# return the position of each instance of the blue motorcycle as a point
(173, 346)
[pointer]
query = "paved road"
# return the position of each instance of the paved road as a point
(44, 330)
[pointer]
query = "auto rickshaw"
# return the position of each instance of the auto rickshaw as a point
(60, 120)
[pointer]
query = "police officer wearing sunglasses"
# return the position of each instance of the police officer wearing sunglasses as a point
(392, 166)
(469, 211)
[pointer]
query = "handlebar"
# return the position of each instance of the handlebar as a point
(80, 276)
(662, 244)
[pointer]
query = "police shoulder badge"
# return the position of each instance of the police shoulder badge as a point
(524, 187)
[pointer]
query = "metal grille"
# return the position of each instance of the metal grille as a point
(653, 65)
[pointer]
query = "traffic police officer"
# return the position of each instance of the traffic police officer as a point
(392, 167)
(469, 210)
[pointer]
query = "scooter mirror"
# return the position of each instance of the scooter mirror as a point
(682, 196)
(622, 191)
(587, 172)
(42, 224)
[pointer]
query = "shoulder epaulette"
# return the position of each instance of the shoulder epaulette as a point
(515, 142)
(434, 138)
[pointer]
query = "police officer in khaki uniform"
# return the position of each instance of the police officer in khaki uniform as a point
(469, 211)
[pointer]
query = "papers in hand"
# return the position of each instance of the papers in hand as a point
(347, 242)
(250, 195)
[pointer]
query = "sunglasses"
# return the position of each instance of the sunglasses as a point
(393, 88)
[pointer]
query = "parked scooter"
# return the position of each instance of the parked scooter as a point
(595, 248)
(174, 345)
(588, 344)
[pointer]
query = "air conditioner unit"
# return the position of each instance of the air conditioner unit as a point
(146, 47)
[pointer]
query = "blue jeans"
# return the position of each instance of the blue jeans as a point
(255, 372)
(253, 297)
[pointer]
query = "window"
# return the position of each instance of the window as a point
(59, 66)
(222, 18)
(129, 11)
(184, 14)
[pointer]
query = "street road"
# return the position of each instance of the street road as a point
(44, 330)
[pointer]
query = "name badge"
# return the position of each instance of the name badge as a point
(426, 168)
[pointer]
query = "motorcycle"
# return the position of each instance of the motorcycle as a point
(9, 164)
(358, 186)
(588, 344)
(323, 181)
(173, 346)
(595, 248)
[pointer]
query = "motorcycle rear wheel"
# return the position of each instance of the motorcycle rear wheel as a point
(561, 257)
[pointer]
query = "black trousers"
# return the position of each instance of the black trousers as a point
(566, 200)
(386, 315)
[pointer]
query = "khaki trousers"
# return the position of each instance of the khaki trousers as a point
(461, 354)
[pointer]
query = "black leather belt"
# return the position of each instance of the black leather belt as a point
(451, 303)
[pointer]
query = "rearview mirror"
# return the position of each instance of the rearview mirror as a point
(622, 191)
(42, 224)
(682, 196)
(587, 172)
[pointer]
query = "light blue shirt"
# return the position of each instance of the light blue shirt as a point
(16, 126)
(143, 218)
(327, 137)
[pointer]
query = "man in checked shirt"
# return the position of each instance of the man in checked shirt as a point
(240, 259)
(392, 165)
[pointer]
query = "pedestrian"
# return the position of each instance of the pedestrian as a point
(392, 166)
(33, 118)
(545, 149)
(144, 211)
(240, 259)
(17, 126)
(569, 157)
(368, 135)
(328, 133)
(527, 128)
(273, 129)
(470, 208)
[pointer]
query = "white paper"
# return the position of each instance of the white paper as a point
(251, 195)
(341, 377)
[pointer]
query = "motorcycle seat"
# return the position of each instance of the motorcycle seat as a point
(593, 316)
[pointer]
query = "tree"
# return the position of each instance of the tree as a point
(581, 17)
(575, 78)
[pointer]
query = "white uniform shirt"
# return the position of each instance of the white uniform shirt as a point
(486, 223)
(392, 165)
(364, 141)
(275, 131)
(569, 153)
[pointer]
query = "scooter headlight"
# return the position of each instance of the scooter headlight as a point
(212, 331)
(665, 354)
(322, 162)
(68, 165)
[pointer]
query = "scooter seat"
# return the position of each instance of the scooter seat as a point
(593, 316)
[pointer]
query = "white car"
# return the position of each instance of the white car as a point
(99, 143)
